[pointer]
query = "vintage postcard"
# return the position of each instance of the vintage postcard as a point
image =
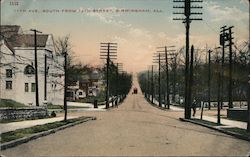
(124, 78)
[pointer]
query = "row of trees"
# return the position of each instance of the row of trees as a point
(241, 60)
(120, 82)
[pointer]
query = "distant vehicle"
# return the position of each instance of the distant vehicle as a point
(135, 91)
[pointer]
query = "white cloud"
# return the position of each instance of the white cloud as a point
(244, 2)
(220, 13)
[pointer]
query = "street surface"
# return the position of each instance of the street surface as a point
(135, 128)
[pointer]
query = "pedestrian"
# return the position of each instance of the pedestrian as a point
(194, 107)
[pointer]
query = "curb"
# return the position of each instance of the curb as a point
(218, 129)
(156, 106)
(19, 141)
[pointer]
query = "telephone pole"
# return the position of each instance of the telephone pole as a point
(108, 52)
(230, 94)
(65, 85)
(218, 86)
(187, 20)
(45, 77)
(174, 76)
(36, 67)
(165, 54)
(248, 96)
(190, 91)
(223, 35)
(157, 59)
(119, 69)
(209, 79)
(226, 36)
(147, 95)
(152, 83)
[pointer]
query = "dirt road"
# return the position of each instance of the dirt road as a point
(134, 129)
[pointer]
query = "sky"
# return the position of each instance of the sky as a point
(137, 33)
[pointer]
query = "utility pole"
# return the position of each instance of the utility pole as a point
(65, 85)
(157, 59)
(165, 53)
(167, 76)
(45, 77)
(223, 35)
(219, 97)
(218, 88)
(230, 91)
(36, 67)
(190, 90)
(148, 85)
(226, 35)
(159, 80)
(248, 97)
(152, 83)
(119, 68)
(209, 79)
(187, 20)
(108, 52)
(174, 76)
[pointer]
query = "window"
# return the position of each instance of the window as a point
(26, 87)
(8, 84)
(29, 70)
(9, 73)
(80, 93)
(33, 87)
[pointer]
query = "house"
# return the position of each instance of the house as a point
(17, 70)
(84, 85)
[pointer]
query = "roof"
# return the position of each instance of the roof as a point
(14, 38)
(27, 40)
(8, 45)
(95, 75)
(9, 30)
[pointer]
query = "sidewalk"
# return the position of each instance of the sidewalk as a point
(6, 127)
(226, 122)
(87, 106)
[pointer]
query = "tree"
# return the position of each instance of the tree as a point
(64, 48)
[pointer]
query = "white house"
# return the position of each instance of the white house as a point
(17, 67)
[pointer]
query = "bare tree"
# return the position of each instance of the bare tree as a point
(64, 48)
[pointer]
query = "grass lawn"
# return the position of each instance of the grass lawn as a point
(4, 103)
(207, 122)
(239, 131)
(13, 135)
(21, 119)
(51, 106)
(90, 99)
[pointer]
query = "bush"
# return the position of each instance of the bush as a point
(53, 114)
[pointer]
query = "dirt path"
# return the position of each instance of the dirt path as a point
(134, 129)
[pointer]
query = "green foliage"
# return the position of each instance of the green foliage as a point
(13, 135)
(119, 83)
(51, 106)
(53, 114)
(10, 103)
(207, 122)
(239, 131)
(241, 66)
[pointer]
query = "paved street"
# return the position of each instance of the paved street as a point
(134, 129)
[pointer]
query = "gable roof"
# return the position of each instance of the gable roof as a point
(9, 47)
(11, 34)
(9, 30)
(27, 40)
